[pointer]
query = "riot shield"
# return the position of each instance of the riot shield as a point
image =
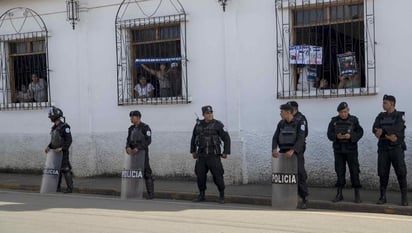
(284, 182)
(51, 172)
(132, 175)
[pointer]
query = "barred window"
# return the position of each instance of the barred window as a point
(325, 48)
(151, 57)
(24, 77)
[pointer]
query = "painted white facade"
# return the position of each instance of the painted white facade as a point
(232, 66)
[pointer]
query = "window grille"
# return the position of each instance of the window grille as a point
(151, 54)
(325, 48)
(24, 72)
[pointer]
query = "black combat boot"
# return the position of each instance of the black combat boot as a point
(303, 203)
(403, 185)
(150, 188)
(339, 195)
(382, 198)
(221, 199)
(357, 196)
(404, 199)
(68, 176)
(201, 197)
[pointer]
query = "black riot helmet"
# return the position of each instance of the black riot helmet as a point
(55, 113)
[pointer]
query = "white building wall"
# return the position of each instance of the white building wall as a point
(231, 66)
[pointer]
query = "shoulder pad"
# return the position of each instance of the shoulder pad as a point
(353, 117)
(219, 123)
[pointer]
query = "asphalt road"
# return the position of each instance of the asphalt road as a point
(75, 213)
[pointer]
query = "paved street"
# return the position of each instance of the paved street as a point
(75, 213)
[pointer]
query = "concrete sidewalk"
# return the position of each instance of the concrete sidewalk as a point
(256, 194)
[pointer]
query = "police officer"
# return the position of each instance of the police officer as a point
(298, 115)
(61, 139)
(389, 128)
(290, 138)
(345, 132)
(205, 147)
(139, 138)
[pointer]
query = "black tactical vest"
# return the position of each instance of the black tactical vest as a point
(56, 138)
(288, 136)
(343, 126)
(387, 123)
(207, 138)
(136, 138)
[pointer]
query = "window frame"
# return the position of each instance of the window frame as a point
(7, 38)
(286, 37)
(126, 71)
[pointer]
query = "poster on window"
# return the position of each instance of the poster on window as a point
(172, 60)
(347, 64)
(305, 55)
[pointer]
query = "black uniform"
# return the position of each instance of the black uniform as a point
(346, 150)
(140, 137)
(206, 143)
(391, 152)
(300, 117)
(291, 135)
(62, 137)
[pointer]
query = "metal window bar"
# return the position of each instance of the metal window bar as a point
(336, 26)
(160, 38)
(23, 53)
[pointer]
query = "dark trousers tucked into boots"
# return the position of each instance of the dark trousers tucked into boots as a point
(66, 171)
(213, 163)
(148, 177)
(341, 159)
(68, 177)
(396, 157)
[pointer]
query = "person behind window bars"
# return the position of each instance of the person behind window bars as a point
(307, 78)
(289, 137)
(163, 78)
(24, 95)
(175, 77)
(61, 139)
(345, 131)
(205, 147)
(349, 75)
(143, 88)
(38, 88)
(139, 138)
(389, 129)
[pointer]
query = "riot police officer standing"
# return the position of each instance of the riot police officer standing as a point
(290, 138)
(139, 138)
(345, 131)
(389, 128)
(205, 147)
(61, 139)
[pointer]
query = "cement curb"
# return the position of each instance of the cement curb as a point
(266, 201)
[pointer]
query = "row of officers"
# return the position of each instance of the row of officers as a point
(210, 143)
(345, 131)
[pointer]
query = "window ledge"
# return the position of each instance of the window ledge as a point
(329, 93)
(24, 106)
(157, 101)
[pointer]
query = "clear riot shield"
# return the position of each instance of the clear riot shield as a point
(51, 172)
(284, 182)
(132, 175)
